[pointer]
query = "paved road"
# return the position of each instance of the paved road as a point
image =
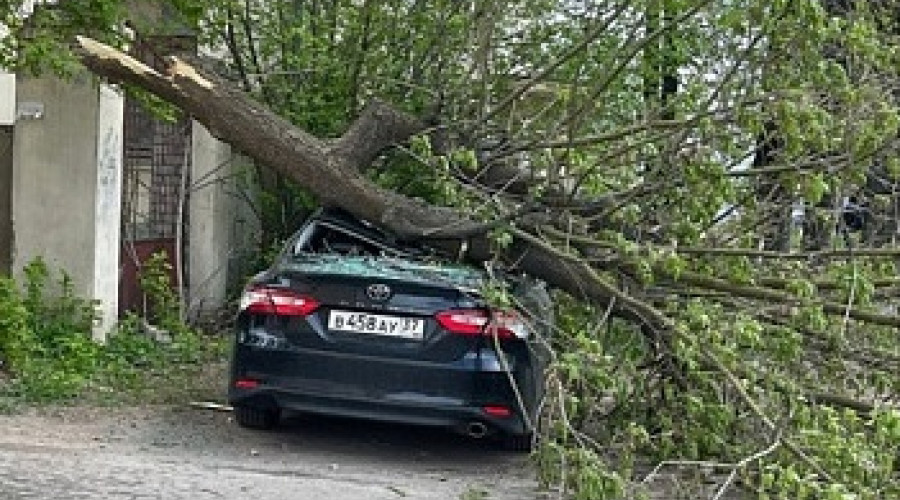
(182, 453)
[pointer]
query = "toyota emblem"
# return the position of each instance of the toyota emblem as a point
(378, 291)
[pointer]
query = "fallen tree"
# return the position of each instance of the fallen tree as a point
(332, 170)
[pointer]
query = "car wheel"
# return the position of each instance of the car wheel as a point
(253, 417)
(522, 443)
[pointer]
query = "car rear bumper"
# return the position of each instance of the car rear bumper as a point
(455, 417)
(341, 384)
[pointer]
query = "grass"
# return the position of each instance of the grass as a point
(48, 354)
(151, 374)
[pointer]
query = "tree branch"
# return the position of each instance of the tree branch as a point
(768, 254)
(378, 127)
(770, 295)
(748, 291)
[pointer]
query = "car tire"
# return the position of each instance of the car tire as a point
(520, 443)
(253, 417)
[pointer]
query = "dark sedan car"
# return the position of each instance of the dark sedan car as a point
(350, 322)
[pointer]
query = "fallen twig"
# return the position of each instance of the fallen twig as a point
(209, 405)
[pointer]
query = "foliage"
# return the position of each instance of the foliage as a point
(728, 166)
(155, 282)
(611, 421)
(47, 348)
(38, 38)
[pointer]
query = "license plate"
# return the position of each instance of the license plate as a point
(377, 324)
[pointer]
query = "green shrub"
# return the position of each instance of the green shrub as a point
(16, 336)
(164, 304)
(47, 348)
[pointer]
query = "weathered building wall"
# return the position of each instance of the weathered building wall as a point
(66, 197)
(54, 162)
(67, 183)
(223, 235)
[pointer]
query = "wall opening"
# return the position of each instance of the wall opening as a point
(6, 227)
(157, 156)
(156, 173)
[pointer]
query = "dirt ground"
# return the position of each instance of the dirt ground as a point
(177, 452)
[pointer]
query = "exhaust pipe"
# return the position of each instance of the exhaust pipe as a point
(476, 430)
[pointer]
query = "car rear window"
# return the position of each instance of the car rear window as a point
(322, 237)
(324, 247)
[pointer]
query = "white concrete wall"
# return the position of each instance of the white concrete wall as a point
(223, 230)
(209, 237)
(66, 184)
(108, 206)
(7, 99)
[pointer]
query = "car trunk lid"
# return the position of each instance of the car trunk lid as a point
(379, 306)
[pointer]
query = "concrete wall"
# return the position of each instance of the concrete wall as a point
(66, 197)
(54, 178)
(67, 183)
(223, 231)
(5, 200)
(7, 98)
(108, 205)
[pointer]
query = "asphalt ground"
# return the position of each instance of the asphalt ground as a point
(175, 452)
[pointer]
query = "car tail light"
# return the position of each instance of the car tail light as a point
(498, 411)
(503, 324)
(246, 383)
(463, 321)
(277, 301)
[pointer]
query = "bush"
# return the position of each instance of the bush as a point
(47, 348)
